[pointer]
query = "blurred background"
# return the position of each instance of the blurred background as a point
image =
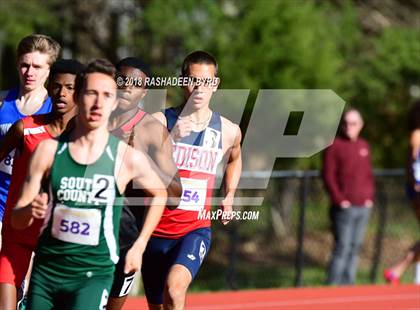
(368, 52)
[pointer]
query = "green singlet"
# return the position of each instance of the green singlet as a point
(77, 251)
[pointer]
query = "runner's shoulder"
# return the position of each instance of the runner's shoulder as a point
(18, 127)
(151, 124)
(48, 144)
(127, 153)
(228, 123)
(131, 158)
(160, 116)
(45, 152)
(229, 128)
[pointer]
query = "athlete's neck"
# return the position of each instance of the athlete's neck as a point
(28, 102)
(198, 116)
(24, 95)
(94, 138)
(89, 135)
(88, 144)
(58, 122)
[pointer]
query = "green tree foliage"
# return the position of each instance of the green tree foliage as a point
(369, 54)
(19, 19)
(383, 83)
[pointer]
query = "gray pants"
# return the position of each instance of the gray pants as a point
(348, 227)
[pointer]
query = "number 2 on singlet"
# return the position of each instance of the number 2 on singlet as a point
(103, 190)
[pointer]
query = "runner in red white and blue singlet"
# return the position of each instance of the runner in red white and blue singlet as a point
(197, 157)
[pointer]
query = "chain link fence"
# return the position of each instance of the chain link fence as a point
(291, 242)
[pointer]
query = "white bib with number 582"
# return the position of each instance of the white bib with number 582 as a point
(76, 225)
(194, 193)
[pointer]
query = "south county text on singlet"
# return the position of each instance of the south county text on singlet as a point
(34, 131)
(9, 114)
(197, 157)
(81, 236)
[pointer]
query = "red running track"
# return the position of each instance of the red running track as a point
(403, 297)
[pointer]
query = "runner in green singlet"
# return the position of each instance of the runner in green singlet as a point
(87, 171)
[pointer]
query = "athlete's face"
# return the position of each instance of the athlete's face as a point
(61, 90)
(199, 95)
(353, 124)
(33, 70)
(129, 95)
(97, 100)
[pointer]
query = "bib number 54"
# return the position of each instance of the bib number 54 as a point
(189, 195)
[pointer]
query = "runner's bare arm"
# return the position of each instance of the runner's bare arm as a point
(160, 150)
(146, 177)
(28, 205)
(169, 171)
(233, 167)
(138, 166)
(12, 139)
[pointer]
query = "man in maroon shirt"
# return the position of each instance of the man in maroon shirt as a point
(349, 181)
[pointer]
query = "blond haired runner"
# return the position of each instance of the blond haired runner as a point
(35, 55)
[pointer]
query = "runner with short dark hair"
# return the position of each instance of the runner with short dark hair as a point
(24, 136)
(201, 139)
(87, 171)
(143, 132)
